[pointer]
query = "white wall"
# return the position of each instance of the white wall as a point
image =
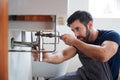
(107, 23)
(38, 7)
(77, 5)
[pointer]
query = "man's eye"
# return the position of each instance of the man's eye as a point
(77, 28)
(73, 30)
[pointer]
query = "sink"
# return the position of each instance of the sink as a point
(47, 70)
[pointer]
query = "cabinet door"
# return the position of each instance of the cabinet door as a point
(3, 39)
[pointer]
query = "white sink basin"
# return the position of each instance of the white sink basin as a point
(47, 70)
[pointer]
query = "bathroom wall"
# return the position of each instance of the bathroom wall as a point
(37, 7)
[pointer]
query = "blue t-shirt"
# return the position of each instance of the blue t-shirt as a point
(97, 70)
(114, 62)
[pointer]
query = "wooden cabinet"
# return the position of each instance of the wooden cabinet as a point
(3, 39)
(31, 18)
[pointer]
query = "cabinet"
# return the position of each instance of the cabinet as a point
(3, 40)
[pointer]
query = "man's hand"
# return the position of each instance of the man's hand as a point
(36, 56)
(68, 39)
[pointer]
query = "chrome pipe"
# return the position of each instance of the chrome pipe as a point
(39, 43)
(23, 36)
(22, 44)
(41, 48)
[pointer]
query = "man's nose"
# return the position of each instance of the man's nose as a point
(76, 33)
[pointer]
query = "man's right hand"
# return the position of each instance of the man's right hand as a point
(36, 56)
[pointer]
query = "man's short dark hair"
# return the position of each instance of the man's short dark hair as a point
(83, 16)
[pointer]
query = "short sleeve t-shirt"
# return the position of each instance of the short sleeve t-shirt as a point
(114, 62)
(94, 70)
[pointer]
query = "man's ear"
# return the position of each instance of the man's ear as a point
(90, 24)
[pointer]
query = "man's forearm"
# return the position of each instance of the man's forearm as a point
(55, 58)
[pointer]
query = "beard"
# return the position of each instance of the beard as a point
(85, 39)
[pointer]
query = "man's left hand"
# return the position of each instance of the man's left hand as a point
(69, 39)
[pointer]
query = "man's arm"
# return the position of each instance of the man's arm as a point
(59, 57)
(101, 52)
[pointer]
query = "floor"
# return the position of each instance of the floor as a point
(41, 78)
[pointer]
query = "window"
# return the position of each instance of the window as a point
(104, 8)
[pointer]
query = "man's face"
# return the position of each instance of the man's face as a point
(80, 30)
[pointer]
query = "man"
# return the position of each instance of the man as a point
(98, 50)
